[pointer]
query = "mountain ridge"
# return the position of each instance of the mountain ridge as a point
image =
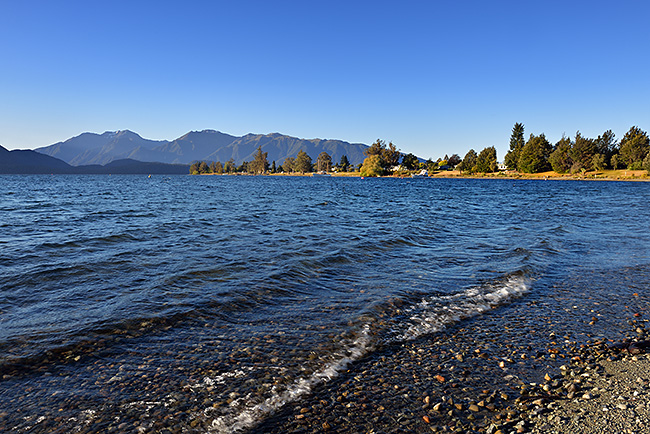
(206, 145)
(26, 162)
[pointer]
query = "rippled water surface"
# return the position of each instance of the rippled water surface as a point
(207, 303)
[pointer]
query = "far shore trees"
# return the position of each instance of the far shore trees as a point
(387, 157)
(372, 166)
(486, 162)
(410, 162)
(324, 162)
(260, 163)
(517, 143)
(533, 157)
(302, 163)
(578, 155)
(288, 165)
(344, 164)
(468, 164)
(635, 146)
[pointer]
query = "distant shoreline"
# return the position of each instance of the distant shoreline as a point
(605, 175)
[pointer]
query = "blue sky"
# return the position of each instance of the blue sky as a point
(433, 77)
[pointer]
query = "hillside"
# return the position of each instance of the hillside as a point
(206, 145)
(32, 162)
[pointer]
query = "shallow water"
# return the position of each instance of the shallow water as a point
(208, 303)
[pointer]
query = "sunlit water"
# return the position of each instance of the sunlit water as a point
(221, 299)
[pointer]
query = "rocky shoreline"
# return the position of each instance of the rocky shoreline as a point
(508, 381)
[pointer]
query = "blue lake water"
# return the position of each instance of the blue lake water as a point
(210, 302)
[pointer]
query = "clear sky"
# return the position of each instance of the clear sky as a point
(433, 77)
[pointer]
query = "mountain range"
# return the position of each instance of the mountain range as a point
(206, 145)
(32, 162)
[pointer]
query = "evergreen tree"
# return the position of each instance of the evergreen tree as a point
(273, 168)
(454, 160)
(229, 167)
(303, 162)
(469, 162)
(344, 164)
(606, 145)
(324, 162)
(260, 162)
(194, 168)
(390, 156)
(516, 145)
(560, 159)
(533, 157)
(203, 167)
(582, 153)
(410, 161)
(218, 168)
(486, 162)
(635, 145)
(288, 165)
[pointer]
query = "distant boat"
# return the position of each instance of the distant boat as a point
(321, 173)
(423, 174)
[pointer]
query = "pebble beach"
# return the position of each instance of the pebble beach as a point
(533, 376)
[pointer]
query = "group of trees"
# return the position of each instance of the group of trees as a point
(534, 155)
(580, 154)
(383, 158)
(484, 162)
(301, 163)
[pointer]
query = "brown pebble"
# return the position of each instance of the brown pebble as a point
(473, 407)
(426, 419)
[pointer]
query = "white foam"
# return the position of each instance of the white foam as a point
(251, 415)
(428, 316)
(433, 314)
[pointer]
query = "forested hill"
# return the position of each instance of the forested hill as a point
(31, 162)
(206, 145)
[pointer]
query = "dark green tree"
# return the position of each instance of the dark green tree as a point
(390, 156)
(203, 167)
(560, 158)
(229, 167)
(410, 161)
(274, 169)
(288, 165)
(486, 161)
(344, 164)
(517, 143)
(454, 160)
(260, 163)
(606, 145)
(324, 162)
(243, 168)
(598, 162)
(582, 153)
(469, 162)
(303, 162)
(431, 165)
(635, 145)
(533, 157)
(194, 168)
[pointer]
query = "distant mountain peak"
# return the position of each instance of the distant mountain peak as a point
(205, 145)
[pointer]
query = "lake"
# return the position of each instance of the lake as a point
(211, 303)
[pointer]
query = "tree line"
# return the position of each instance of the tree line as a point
(301, 163)
(535, 155)
(580, 154)
(383, 159)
